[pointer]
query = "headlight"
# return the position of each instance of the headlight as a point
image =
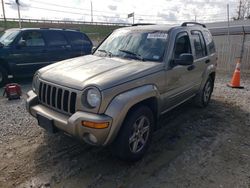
(93, 97)
(35, 83)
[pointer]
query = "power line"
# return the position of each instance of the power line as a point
(139, 17)
(82, 14)
(69, 7)
(109, 12)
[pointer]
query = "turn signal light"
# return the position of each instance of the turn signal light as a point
(95, 125)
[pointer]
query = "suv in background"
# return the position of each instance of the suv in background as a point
(23, 51)
(115, 96)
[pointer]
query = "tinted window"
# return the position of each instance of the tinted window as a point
(33, 38)
(76, 38)
(182, 45)
(199, 44)
(55, 38)
(209, 41)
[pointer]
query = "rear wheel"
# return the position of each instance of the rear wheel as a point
(202, 99)
(3, 76)
(135, 135)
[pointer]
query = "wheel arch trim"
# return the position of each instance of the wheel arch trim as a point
(122, 103)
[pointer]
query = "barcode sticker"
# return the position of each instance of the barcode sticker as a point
(157, 36)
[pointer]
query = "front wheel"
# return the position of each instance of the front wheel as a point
(3, 76)
(202, 99)
(135, 135)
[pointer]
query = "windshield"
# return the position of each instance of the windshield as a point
(141, 45)
(8, 37)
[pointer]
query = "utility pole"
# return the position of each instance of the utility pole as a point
(228, 24)
(248, 11)
(91, 12)
(4, 18)
(19, 16)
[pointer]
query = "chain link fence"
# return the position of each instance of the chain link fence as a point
(232, 44)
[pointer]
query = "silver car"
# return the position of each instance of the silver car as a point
(116, 95)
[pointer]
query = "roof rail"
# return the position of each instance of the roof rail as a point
(193, 23)
(137, 24)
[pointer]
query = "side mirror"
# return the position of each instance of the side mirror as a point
(93, 49)
(184, 59)
(21, 43)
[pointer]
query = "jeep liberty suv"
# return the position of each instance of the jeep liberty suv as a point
(116, 95)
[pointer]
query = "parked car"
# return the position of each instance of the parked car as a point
(23, 51)
(115, 96)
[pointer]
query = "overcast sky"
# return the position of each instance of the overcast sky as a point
(157, 11)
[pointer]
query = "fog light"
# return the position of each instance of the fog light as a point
(92, 138)
(95, 125)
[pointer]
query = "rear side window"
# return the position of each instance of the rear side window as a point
(76, 38)
(199, 44)
(209, 41)
(55, 38)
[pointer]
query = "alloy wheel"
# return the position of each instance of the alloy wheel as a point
(140, 134)
(207, 92)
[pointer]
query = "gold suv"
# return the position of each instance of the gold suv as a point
(116, 95)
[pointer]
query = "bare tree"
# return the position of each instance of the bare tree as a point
(243, 10)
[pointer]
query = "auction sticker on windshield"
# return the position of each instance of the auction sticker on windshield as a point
(157, 35)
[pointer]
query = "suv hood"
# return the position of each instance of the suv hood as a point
(103, 72)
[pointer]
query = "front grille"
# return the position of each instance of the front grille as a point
(57, 98)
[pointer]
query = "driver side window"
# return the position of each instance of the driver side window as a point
(182, 45)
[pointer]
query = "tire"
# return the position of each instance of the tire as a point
(135, 135)
(202, 99)
(3, 76)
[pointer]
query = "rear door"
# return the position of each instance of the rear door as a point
(201, 59)
(30, 56)
(80, 43)
(57, 46)
(179, 85)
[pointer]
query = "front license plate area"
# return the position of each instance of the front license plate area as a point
(46, 123)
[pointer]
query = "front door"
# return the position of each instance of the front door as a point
(29, 53)
(179, 82)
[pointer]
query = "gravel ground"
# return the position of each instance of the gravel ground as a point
(193, 148)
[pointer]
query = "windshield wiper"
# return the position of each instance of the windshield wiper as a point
(137, 56)
(107, 52)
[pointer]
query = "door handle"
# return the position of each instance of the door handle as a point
(207, 61)
(68, 46)
(191, 67)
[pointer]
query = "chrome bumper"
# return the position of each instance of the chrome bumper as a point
(71, 124)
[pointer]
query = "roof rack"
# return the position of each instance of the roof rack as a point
(64, 29)
(193, 23)
(137, 24)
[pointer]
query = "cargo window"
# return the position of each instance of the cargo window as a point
(199, 44)
(33, 38)
(209, 42)
(55, 38)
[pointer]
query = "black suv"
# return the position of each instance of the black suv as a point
(23, 51)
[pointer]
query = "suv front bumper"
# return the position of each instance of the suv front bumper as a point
(71, 124)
